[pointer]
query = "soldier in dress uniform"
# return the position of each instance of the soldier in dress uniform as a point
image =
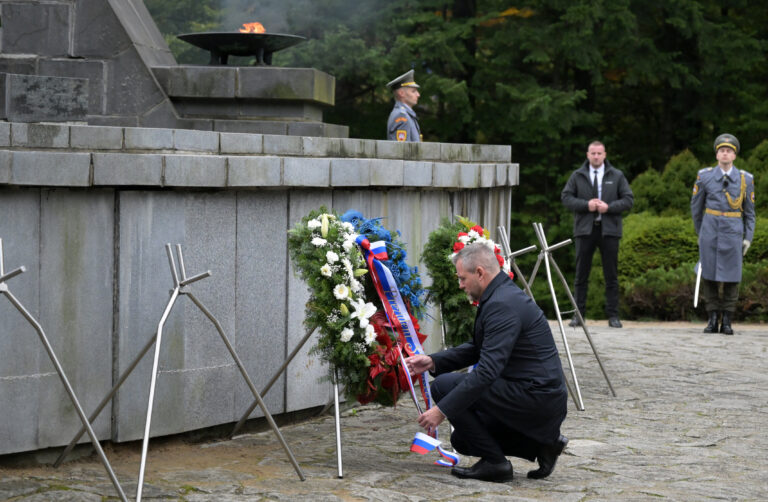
(403, 124)
(723, 210)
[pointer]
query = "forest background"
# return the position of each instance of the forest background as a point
(655, 81)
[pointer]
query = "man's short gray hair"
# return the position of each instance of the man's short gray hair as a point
(477, 255)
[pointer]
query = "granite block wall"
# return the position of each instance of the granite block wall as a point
(88, 211)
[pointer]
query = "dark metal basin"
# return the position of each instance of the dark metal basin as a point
(224, 44)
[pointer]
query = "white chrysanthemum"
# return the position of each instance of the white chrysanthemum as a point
(331, 257)
(348, 245)
(346, 334)
(473, 234)
(370, 335)
(313, 224)
(363, 311)
(341, 292)
(326, 270)
(356, 286)
(464, 239)
(319, 241)
(348, 226)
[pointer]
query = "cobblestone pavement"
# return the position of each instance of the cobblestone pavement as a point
(689, 423)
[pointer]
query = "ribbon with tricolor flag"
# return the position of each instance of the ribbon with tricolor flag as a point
(400, 320)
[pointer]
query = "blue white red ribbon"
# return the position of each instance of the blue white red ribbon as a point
(399, 318)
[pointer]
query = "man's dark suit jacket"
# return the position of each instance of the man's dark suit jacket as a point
(616, 192)
(518, 366)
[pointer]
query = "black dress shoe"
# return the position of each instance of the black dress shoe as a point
(725, 327)
(614, 322)
(712, 325)
(574, 322)
(485, 471)
(547, 458)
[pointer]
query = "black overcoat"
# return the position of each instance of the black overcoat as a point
(518, 367)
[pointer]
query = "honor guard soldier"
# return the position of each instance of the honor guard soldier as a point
(723, 210)
(402, 124)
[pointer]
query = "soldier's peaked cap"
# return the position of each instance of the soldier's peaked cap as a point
(728, 140)
(404, 80)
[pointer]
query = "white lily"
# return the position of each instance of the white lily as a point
(363, 311)
(324, 226)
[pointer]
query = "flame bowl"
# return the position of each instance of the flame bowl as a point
(221, 45)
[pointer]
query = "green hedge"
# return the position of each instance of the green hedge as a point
(656, 271)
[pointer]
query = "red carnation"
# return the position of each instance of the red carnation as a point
(500, 260)
(458, 246)
(478, 229)
(462, 234)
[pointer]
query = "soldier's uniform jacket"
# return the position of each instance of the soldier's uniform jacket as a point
(402, 124)
(723, 224)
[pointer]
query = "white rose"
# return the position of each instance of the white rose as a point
(331, 257)
(313, 224)
(326, 270)
(319, 242)
(348, 245)
(346, 334)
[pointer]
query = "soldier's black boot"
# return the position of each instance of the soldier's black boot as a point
(712, 326)
(725, 327)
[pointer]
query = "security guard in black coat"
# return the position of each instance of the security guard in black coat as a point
(598, 194)
(514, 400)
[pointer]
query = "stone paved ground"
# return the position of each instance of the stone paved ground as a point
(689, 423)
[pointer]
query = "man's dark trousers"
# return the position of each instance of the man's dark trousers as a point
(609, 252)
(476, 433)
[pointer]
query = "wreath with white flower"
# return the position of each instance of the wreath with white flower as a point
(355, 338)
(443, 243)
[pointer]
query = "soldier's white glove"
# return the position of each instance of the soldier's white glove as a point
(745, 245)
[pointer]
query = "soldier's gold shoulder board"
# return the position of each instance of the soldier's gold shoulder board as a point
(401, 119)
(402, 135)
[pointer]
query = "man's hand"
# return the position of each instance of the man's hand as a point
(744, 246)
(431, 418)
(592, 205)
(602, 207)
(419, 364)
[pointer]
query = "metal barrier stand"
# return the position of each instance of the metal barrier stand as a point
(80, 413)
(180, 281)
(546, 256)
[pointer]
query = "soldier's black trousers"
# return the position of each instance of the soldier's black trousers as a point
(477, 434)
(609, 253)
(714, 301)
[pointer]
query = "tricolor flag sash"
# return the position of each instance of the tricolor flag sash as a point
(423, 444)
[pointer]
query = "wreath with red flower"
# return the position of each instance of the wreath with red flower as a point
(456, 311)
(354, 335)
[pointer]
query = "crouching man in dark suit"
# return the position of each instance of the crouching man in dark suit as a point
(514, 401)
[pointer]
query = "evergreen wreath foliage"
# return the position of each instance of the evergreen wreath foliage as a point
(457, 312)
(354, 335)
